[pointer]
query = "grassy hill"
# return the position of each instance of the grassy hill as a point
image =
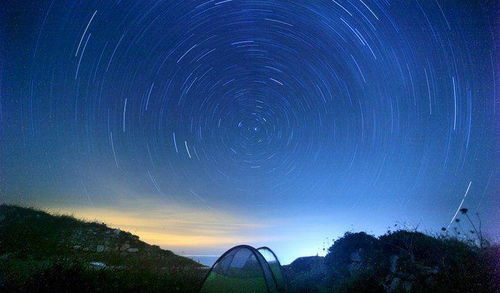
(42, 252)
(399, 261)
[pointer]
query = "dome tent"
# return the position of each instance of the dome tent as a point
(241, 269)
(275, 266)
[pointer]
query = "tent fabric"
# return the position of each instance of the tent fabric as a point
(243, 269)
(275, 266)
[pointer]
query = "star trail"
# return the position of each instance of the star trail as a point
(287, 114)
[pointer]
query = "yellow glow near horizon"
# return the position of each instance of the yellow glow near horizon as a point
(170, 226)
(201, 230)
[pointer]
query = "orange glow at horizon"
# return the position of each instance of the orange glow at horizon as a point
(172, 227)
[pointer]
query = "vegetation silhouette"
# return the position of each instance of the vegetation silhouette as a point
(40, 252)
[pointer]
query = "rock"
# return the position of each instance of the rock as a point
(407, 286)
(398, 285)
(133, 250)
(394, 263)
(395, 283)
(356, 262)
(355, 256)
(98, 264)
(76, 247)
(125, 246)
(425, 270)
(100, 248)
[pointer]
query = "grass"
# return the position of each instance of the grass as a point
(221, 283)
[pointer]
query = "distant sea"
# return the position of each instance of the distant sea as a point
(207, 260)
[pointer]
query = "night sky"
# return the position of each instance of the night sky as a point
(200, 125)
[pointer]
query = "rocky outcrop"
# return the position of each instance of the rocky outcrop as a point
(40, 252)
(404, 272)
(56, 235)
(101, 239)
(406, 261)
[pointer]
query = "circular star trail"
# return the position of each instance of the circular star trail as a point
(253, 101)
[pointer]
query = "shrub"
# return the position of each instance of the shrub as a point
(410, 261)
(355, 262)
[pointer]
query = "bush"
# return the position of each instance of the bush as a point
(410, 261)
(356, 260)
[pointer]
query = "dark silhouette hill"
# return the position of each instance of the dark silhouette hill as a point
(39, 250)
(399, 261)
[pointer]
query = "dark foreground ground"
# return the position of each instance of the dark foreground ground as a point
(40, 252)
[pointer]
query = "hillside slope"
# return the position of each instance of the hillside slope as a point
(398, 261)
(35, 244)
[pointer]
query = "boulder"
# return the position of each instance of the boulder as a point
(398, 285)
(394, 263)
(395, 283)
(98, 264)
(100, 248)
(356, 256)
(124, 247)
(133, 250)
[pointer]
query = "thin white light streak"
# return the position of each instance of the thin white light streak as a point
(460, 206)
(84, 32)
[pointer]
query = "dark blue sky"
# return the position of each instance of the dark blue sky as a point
(267, 122)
